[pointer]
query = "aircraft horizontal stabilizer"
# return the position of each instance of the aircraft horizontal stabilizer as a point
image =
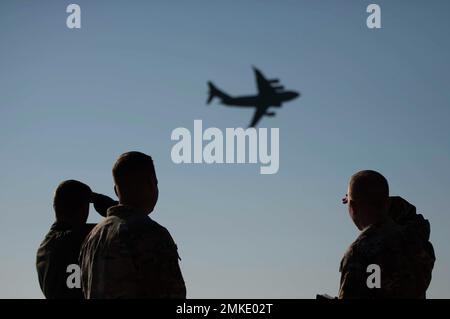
(211, 92)
(278, 88)
(215, 92)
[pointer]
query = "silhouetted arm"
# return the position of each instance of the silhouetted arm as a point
(353, 278)
(102, 203)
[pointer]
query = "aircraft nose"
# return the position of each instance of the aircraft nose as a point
(295, 95)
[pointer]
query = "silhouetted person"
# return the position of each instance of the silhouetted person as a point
(61, 246)
(129, 255)
(392, 237)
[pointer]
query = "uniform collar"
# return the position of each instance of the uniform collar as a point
(124, 211)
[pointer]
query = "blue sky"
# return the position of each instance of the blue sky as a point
(73, 100)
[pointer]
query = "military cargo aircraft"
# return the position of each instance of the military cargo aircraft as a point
(270, 94)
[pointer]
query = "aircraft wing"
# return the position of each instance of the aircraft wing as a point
(264, 86)
(259, 113)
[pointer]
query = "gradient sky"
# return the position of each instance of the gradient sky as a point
(72, 100)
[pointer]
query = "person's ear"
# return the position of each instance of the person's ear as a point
(353, 206)
(115, 191)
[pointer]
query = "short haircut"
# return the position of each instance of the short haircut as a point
(133, 167)
(369, 187)
(70, 195)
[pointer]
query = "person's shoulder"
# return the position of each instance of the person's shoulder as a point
(153, 234)
(350, 256)
(49, 242)
(155, 226)
(103, 231)
(63, 235)
(361, 248)
(154, 231)
(378, 240)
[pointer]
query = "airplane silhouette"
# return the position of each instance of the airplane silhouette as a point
(270, 94)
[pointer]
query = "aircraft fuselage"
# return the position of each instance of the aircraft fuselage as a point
(258, 100)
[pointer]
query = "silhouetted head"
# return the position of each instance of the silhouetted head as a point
(368, 198)
(71, 202)
(135, 181)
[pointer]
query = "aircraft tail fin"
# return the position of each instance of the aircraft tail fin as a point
(215, 92)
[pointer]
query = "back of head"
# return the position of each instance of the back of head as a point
(368, 193)
(369, 187)
(135, 181)
(71, 202)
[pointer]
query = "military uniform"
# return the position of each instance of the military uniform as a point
(128, 255)
(60, 248)
(400, 247)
